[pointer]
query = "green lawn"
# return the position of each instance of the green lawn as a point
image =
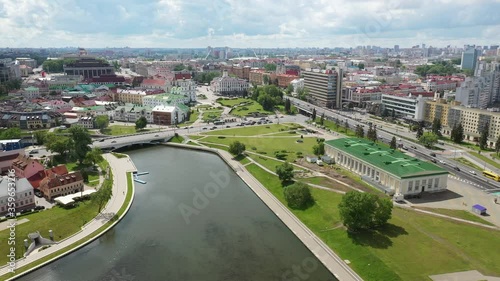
(243, 159)
(128, 198)
(243, 110)
(266, 162)
(118, 130)
(270, 145)
(118, 155)
(93, 175)
(192, 143)
(411, 247)
(211, 115)
(461, 214)
(339, 129)
(194, 137)
(467, 163)
(326, 182)
(192, 117)
(485, 159)
(177, 139)
(251, 130)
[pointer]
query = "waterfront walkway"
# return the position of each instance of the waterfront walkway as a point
(119, 168)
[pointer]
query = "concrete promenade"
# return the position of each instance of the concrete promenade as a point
(331, 260)
(119, 168)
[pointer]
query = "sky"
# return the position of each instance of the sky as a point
(248, 24)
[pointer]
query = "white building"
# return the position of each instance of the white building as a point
(168, 115)
(164, 100)
(474, 92)
(31, 93)
(86, 122)
(297, 85)
(24, 195)
(131, 113)
(388, 170)
(406, 105)
(226, 85)
(185, 87)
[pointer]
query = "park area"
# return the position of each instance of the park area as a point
(118, 130)
(243, 107)
(411, 247)
(255, 130)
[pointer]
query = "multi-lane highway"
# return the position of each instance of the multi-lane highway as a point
(474, 177)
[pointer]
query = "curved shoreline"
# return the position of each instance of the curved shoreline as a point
(93, 235)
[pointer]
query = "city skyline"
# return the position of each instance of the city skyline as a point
(183, 24)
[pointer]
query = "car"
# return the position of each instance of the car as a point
(414, 147)
(102, 140)
(228, 126)
(204, 128)
(39, 208)
(433, 160)
(442, 162)
(269, 121)
(239, 125)
(191, 127)
(405, 148)
(456, 168)
(157, 135)
(38, 194)
(433, 154)
(473, 172)
(33, 151)
(113, 142)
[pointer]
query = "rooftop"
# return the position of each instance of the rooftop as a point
(389, 160)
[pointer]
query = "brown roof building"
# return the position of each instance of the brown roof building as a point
(60, 185)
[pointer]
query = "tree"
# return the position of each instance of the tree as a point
(385, 113)
(436, 127)
(288, 106)
(11, 133)
(360, 132)
(420, 130)
(363, 211)
(94, 156)
(361, 66)
(298, 196)
(102, 122)
(236, 148)
(289, 89)
(457, 133)
(284, 172)
(58, 144)
(265, 79)
(266, 101)
(346, 126)
(483, 139)
(270, 67)
(102, 195)
(313, 116)
(116, 65)
(81, 142)
(179, 67)
(141, 123)
(428, 139)
(393, 114)
(372, 134)
(393, 143)
(319, 149)
(40, 136)
(322, 119)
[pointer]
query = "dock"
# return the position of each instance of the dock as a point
(136, 177)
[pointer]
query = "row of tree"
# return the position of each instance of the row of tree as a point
(56, 65)
(10, 85)
(268, 96)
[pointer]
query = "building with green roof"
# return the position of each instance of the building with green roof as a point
(387, 169)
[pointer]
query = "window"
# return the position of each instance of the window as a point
(410, 186)
(429, 184)
(424, 182)
(436, 182)
(417, 183)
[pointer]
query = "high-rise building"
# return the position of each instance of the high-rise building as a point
(469, 59)
(396, 48)
(325, 87)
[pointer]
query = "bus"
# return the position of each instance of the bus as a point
(491, 175)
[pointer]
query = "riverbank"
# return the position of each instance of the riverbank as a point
(330, 259)
(115, 210)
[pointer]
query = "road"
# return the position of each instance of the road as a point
(385, 134)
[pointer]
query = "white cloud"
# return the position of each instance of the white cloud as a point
(258, 23)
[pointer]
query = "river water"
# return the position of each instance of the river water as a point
(195, 219)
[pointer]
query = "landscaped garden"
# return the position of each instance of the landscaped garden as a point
(243, 107)
(118, 130)
(253, 130)
(411, 247)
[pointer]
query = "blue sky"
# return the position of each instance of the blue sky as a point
(240, 23)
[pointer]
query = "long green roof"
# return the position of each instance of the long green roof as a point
(389, 160)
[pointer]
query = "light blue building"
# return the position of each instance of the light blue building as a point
(469, 59)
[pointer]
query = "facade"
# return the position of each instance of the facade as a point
(297, 84)
(86, 122)
(63, 82)
(131, 113)
(27, 61)
(31, 92)
(389, 170)
(325, 87)
(164, 100)
(408, 106)
(285, 79)
(7, 157)
(168, 115)
(59, 185)
(469, 59)
(134, 96)
(473, 120)
(25, 197)
(89, 67)
(185, 87)
(226, 85)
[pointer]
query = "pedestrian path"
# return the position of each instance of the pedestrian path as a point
(119, 167)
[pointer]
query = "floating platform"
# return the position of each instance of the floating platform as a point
(142, 173)
(136, 177)
(139, 181)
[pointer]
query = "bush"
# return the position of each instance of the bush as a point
(254, 148)
(284, 151)
(291, 132)
(298, 196)
(261, 152)
(221, 137)
(361, 211)
(298, 153)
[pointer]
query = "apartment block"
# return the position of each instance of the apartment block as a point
(325, 87)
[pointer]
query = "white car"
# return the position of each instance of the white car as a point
(473, 172)
(442, 162)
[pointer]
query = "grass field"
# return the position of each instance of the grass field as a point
(251, 130)
(118, 130)
(93, 175)
(192, 117)
(192, 143)
(176, 139)
(244, 110)
(326, 182)
(467, 163)
(266, 162)
(270, 147)
(411, 247)
(485, 159)
(211, 115)
(461, 214)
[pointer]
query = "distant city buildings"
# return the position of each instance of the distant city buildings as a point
(88, 67)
